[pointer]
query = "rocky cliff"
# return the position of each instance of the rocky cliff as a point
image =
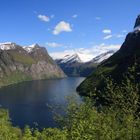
(19, 64)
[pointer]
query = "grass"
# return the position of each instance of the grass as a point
(13, 78)
(24, 59)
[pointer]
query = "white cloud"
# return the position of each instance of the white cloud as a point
(62, 27)
(102, 48)
(107, 37)
(114, 36)
(106, 31)
(97, 18)
(86, 54)
(120, 36)
(53, 44)
(75, 16)
(44, 18)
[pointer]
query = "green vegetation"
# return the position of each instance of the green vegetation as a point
(24, 59)
(117, 119)
(14, 77)
(17, 65)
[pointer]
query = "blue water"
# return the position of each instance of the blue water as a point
(28, 102)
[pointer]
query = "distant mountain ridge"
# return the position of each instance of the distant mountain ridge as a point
(72, 64)
(70, 59)
(102, 57)
(18, 63)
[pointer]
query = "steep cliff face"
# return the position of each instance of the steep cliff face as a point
(19, 64)
(117, 65)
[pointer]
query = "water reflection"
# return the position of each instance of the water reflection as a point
(27, 101)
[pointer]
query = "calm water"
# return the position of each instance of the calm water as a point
(27, 102)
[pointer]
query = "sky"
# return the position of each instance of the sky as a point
(66, 25)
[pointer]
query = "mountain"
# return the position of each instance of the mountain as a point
(116, 65)
(19, 64)
(72, 65)
(74, 58)
(137, 23)
(102, 57)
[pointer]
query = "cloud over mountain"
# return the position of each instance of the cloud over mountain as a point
(86, 54)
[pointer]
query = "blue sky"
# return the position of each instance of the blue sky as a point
(67, 24)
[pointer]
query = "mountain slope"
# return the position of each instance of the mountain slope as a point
(70, 59)
(117, 64)
(17, 64)
(72, 65)
(102, 57)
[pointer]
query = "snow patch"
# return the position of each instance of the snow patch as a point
(137, 28)
(7, 46)
(103, 57)
(86, 54)
(84, 57)
(71, 59)
(29, 48)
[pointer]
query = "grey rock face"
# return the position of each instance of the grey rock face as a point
(43, 70)
(17, 65)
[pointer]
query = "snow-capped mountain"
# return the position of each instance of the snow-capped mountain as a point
(26, 66)
(70, 59)
(76, 58)
(72, 64)
(30, 48)
(80, 54)
(11, 46)
(98, 59)
(76, 63)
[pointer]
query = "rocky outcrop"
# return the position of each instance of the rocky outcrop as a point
(44, 70)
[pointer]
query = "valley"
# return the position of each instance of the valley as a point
(80, 78)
